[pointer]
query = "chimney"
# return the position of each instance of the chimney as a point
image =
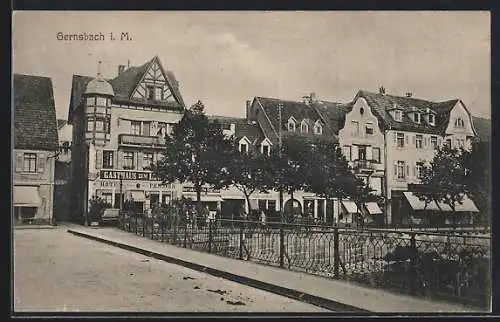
(121, 69)
(312, 98)
(409, 94)
(248, 107)
(381, 90)
(232, 128)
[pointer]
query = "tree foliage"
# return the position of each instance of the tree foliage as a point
(194, 152)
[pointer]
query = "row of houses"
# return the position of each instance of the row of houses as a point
(118, 126)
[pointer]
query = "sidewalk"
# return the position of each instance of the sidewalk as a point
(328, 293)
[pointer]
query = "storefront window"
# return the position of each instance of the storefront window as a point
(128, 160)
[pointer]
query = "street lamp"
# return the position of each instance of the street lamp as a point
(280, 105)
(121, 192)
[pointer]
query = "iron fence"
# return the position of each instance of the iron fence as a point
(428, 264)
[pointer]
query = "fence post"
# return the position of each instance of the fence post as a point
(413, 264)
(241, 241)
(136, 222)
(185, 232)
(282, 246)
(210, 236)
(336, 255)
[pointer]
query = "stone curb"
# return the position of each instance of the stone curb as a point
(272, 288)
(34, 227)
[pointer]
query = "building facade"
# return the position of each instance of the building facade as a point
(119, 128)
(62, 178)
(35, 149)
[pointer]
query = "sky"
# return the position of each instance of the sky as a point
(226, 58)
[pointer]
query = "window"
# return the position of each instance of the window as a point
(376, 154)
(90, 100)
(151, 92)
(401, 170)
(108, 197)
(291, 126)
(107, 159)
(419, 170)
(431, 119)
(99, 126)
(135, 128)
(161, 129)
(262, 204)
(128, 160)
(347, 152)
(361, 152)
(108, 126)
(459, 123)
(101, 101)
(434, 142)
(318, 129)
(90, 125)
(398, 115)
(418, 141)
(369, 129)
(416, 117)
(448, 143)
(265, 149)
(304, 128)
(355, 128)
(158, 93)
(400, 140)
(29, 162)
(243, 148)
(271, 204)
(146, 126)
(147, 160)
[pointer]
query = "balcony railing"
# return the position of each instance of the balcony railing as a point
(364, 165)
(138, 140)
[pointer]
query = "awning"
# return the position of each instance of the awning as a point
(373, 208)
(204, 198)
(350, 207)
(417, 204)
(467, 205)
(25, 196)
(137, 195)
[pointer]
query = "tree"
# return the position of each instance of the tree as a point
(479, 178)
(247, 172)
(329, 175)
(447, 178)
(194, 152)
(288, 165)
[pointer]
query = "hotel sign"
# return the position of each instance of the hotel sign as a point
(203, 190)
(125, 175)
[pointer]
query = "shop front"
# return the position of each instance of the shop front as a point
(136, 188)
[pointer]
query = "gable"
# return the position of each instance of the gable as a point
(459, 111)
(154, 76)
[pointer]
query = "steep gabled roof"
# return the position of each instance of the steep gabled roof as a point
(381, 103)
(483, 128)
(124, 85)
(35, 125)
(300, 111)
(242, 128)
(334, 113)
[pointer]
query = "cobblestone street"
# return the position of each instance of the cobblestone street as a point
(57, 271)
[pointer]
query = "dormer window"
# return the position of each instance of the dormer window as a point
(304, 128)
(265, 149)
(243, 148)
(398, 115)
(291, 125)
(432, 119)
(416, 117)
(318, 129)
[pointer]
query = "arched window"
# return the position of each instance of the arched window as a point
(291, 125)
(304, 128)
(318, 129)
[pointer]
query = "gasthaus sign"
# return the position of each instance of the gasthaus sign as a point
(125, 175)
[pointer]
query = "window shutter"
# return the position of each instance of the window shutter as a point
(395, 169)
(414, 171)
(98, 159)
(414, 139)
(115, 159)
(395, 136)
(140, 160)
(406, 138)
(369, 153)
(407, 170)
(119, 160)
(41, 162)
(354, 152)
(19, 162)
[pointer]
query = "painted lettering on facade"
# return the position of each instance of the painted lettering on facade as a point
(125, 175)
